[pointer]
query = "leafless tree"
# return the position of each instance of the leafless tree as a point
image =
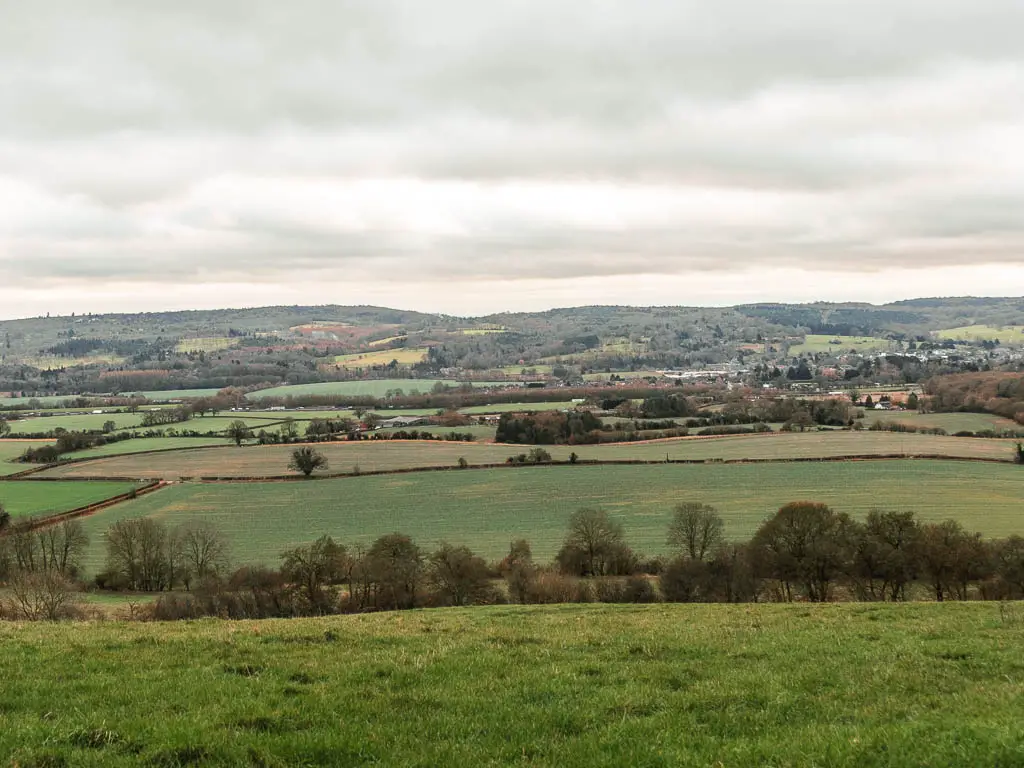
(695, 530)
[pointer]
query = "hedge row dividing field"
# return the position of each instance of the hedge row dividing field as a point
(11, 450)
(488, 508)
(271, 461)
(588, 686)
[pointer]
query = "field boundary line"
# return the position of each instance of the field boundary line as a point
(588, 463)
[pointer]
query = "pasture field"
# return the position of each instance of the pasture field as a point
(25, 498)
(487, 508)
(369, 388)
(1008, 334)
(178, 394)
(404, 356)
(481, 331)
(382, 342)
(479, 432)
(140, 444)
(824, 343)
(206, 344)
(75, 422)
(12, 449)
(54, 401)
(46, 362)
(517, 407)
(517, 370)
(568, 686)
(951, 422)
(272, 460)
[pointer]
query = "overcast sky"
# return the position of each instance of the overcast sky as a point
(472, 157)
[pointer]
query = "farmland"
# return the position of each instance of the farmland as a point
(207, 344)
(403, 356)
(140, 444)
(77, 422)
(28, 499)
(486, 509)
(951, 422)
(588, 686)
(1007, 334)
(824, 343)
(517, 407)
(12, 449)
(268, 461)
(370, 388)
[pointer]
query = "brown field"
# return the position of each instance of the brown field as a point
(265, 461)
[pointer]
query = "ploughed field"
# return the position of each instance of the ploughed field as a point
(39, 499)
(488, 508)
(686, 685)
(343, 457)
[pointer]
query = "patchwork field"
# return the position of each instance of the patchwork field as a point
(272, 460)
(1008, 334)
(23, 498)
(571, 686)
(12, 449)
(375, 388)
(486, 509)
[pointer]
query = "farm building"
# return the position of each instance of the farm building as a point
(403, 421)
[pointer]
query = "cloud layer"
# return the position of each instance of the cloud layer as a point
(450, 155)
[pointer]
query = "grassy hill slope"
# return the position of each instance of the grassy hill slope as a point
(837, 685)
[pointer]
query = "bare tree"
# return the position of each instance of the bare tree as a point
(42, 596)
(204, 551)
(695, 530)
(592, 545)
(62, 546)
(313, 567)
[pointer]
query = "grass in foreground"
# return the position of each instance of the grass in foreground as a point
(29, 498)
(486, 509)
(765, 685)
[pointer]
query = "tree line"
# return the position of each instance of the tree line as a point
(806, 551)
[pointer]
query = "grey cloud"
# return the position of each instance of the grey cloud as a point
(216, 141)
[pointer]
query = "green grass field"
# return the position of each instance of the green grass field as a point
(517, 370)
(23, 498)
(272, 460)
(1007, 334)
(486, 509)
(370, 388)
(207, 344)
(517, 407)
(951, 422)
(12, 449)
(78, 422)
(822, 343)
(140, 444)
(178, 394)
(560, 686)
